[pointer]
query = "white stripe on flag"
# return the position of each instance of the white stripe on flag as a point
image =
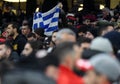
(47, 20)
(53, 24)
(49, 12)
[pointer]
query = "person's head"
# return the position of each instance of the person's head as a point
(54, 36)
(12, 28)
(102, 44)
(26, 77)
(114, 19)
(86, 21)
(67, 53)
(105, 11)
(32, 47)
(106, 70)
(84, 42)
(31, 37)
(65, 35)
(39, 32)
(71, 20)
(105, 29)
(5, 50)
(25, 29)
(48, 64)
(25, 22)
(113, 36)
(5, 66)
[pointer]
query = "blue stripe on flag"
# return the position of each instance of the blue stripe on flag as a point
(52, 29)
(41, 25)
(48, 17)
(55, 19)
(35, 25)
(47, 20)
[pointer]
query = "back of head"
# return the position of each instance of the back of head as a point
(26, 77)
(60, 33)
(31, 35)
(40, 32)
(101, 44)
(36, 45)
(114, 38)
(64, 49)
(107, 65)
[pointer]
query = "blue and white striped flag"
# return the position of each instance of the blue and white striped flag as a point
(47, 20)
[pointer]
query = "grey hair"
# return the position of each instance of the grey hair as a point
(106, 9)
(65, 30)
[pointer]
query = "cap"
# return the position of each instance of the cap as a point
(101, 44)
(107, 65)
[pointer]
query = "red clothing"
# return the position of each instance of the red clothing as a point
(67, 76)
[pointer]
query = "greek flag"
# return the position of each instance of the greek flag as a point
(47, 20)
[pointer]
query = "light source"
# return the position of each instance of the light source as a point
(102, 6)
(16, 0)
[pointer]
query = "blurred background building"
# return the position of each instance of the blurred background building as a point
(29, 6)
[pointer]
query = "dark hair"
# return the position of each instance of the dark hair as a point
(62, 49)
(48, 60)
(5, 66)
(31, 35)
(40, 32)
(36, 45)
(26, 77)
(82, 39)
(104, 27)
(28, 26)
(15, 25)
(7, 44)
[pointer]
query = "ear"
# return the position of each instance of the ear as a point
(15, 29)
(8, 52)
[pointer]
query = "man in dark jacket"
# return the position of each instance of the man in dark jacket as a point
(6, 52)
(19, 41)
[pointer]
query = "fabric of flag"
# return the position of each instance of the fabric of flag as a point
(47, 20)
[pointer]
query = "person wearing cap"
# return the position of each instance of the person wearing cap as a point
(105, 70)
(102, 44)
(71, 20)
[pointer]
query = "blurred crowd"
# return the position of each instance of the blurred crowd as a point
(84, 50)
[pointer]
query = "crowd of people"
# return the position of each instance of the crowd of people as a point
(84, 50)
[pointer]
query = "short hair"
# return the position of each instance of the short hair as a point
(40, 32)
(81, 40)
(104, 27)
(106, 9)
(31, 35)
(26, 77)
(15, 25)
(28, 26)
(36, 45)
(46, 61)
(7, 44)
(65, 30)
(63, 49)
